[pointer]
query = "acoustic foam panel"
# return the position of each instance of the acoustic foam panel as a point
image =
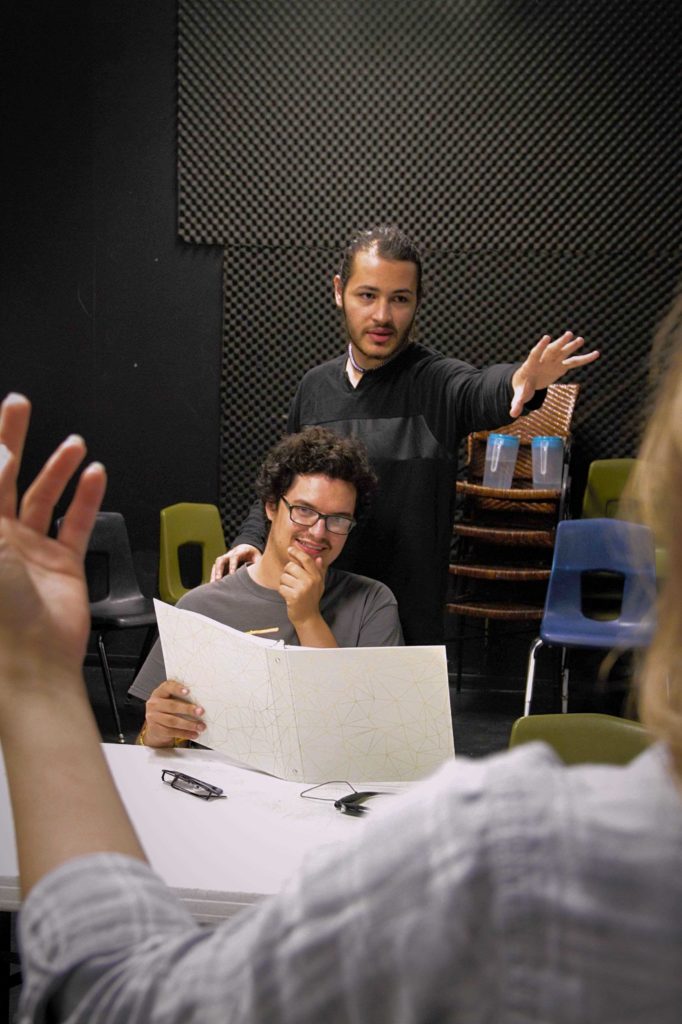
(531, 149)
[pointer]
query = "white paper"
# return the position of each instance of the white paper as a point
(307, 714)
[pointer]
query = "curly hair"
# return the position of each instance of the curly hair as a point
(316, 450)
(390, 243)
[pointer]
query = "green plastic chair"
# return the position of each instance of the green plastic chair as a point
(181, 524)
(584, 738)
(606, 479)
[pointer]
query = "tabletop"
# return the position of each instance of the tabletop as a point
(220, 855)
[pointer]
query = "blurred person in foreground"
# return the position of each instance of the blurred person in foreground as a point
(506, 889)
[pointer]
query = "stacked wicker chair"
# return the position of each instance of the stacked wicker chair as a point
(505, 538)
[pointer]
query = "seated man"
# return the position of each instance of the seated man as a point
(311, 485)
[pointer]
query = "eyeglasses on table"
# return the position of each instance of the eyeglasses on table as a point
(188, 784)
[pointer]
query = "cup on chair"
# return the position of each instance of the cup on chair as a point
(500, 460)
(548, 462)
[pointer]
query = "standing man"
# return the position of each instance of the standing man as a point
(411, 406)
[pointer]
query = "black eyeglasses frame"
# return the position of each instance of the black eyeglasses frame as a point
(179, 781)
(321, 515)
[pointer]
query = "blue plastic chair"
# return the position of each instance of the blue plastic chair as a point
(588, 546)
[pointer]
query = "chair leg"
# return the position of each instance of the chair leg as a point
(149, 639)
(109, 686)
(8, 959)
(460, 646)
(564, 681)
(530, 675)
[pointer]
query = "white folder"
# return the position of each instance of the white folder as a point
(307, 714)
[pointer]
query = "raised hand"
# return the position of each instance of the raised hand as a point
(64, 801)
(44, 613)
(547, 362)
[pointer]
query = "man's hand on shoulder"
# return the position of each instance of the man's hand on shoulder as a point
(547, 362)
(169, 716)
(242, 554)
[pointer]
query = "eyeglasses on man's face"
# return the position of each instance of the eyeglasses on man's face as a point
(304, 516)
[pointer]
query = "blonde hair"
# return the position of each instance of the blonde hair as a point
(656, 487)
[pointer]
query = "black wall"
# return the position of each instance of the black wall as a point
(113, 325)
(108, 322)
(532, 149)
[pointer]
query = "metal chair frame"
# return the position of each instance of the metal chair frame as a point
(124, 606)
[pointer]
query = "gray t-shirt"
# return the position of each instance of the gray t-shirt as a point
(360, 613)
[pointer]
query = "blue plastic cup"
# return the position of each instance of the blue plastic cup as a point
(500, 460)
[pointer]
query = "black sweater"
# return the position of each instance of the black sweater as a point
(411, 414)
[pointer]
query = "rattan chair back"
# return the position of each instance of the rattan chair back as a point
(506, 536)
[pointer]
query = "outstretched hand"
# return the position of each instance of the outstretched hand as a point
(547, 362)
(44, 614)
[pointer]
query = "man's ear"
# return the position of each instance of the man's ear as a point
(338, 291)
(270, 509)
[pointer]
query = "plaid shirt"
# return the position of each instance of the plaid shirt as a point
(504, 890)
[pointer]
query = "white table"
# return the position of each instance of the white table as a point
(220, 855)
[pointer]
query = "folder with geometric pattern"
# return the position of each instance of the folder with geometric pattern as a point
(308, 714)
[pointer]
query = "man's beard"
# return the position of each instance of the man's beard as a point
(404, 340)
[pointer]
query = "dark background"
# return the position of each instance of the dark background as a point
(110, 323)
(531, 148)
